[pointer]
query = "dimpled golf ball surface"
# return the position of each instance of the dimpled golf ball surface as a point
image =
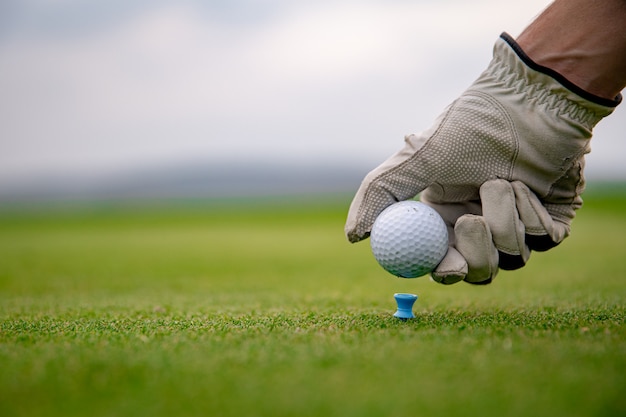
(409, 239)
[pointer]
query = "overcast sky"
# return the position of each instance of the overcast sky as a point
(92, 87)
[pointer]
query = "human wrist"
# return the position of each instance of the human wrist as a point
(583, 41)
(562, 75)
(582, 69)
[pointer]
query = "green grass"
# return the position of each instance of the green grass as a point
(263, 309)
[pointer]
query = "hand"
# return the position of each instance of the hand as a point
(503, 165)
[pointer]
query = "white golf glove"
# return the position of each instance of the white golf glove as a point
(503, 165)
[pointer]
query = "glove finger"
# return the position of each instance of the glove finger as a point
(542, 230)
(450, 212)
(475, 243)
(452, 268)
(392, 181)
(508, 231)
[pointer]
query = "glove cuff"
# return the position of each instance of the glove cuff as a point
(557, 76)
(513, 70)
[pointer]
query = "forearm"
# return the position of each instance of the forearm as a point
(584, 41)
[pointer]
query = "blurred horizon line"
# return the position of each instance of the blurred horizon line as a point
(198, 179)
(210, 180)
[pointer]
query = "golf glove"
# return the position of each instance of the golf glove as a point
(503, 165)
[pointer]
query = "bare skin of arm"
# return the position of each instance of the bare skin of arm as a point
(584, 41)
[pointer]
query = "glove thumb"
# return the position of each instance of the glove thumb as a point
(544, 224)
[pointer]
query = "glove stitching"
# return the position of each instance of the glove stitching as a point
(546, 228)
(484, 236)
(511, 219)
(579, 186)
(510, 123)
(557, 102)
(533, 231)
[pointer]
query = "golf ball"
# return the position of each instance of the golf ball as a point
(409, 239)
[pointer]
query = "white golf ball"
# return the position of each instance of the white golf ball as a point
(409, 239)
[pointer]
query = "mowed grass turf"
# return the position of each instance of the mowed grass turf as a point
(248, 308)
